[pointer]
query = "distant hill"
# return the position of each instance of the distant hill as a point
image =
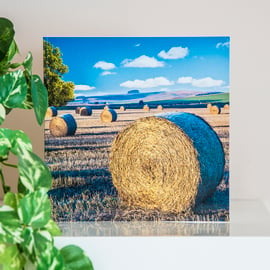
(210, 93)
(134, 96)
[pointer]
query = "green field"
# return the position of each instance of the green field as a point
(215, 98)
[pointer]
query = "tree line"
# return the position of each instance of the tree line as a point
(59, 91)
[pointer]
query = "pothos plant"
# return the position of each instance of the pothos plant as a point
(26, 228)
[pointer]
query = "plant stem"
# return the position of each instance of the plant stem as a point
(10, 165)
(4, 186)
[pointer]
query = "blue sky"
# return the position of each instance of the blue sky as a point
(102, 65)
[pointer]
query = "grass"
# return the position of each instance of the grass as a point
(82, 185)
(215, 98)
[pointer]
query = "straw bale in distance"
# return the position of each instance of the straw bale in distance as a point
(106, 107)
(209, 105)
(63, 125)
(160, 107)
(108, 115)
(122, 108)
(168, 162)
(215, 109)
(226, 107)
(146, 108)
(86, 111)
(77, 110)
(51, 112)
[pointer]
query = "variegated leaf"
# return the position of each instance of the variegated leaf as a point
(10, 226)
(35, 209)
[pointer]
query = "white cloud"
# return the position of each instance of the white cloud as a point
(184, 80)
(104, 65)
(83, 87)
(143, 61)
(203, 82)
(148, 83)
(104, 73)
(223, 44)
(137, 45)
(174, 53)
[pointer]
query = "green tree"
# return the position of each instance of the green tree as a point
(59, 91)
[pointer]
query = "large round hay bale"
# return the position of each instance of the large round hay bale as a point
(63, 125)
(226, 107)
(86, 111)
(169, 162)
(146, 108)
(77, 110)
(122, 108)
(160, 107)
(215, 109)
(108, 115)
(51, 112)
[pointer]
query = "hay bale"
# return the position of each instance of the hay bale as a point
(106, 107)
(108, 115)
(160, 107)
(51, 112)
(168, 162)
(86, 111)
(146, 108)
(122, 108)
(63, 125)
(209, 105)
(226, 107)
(215, 109)
(77, 110)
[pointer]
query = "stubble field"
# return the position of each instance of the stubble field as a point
(82, 185)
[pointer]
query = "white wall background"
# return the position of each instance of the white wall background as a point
(246, 21)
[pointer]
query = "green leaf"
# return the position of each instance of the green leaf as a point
(51, 260)
(13, 140)
(53, 228)
(35, 209)
(27, 63)
(13, 89)
(10, 226)
(29, 243)
(8, 110)
(21, 188)
(6, 36)
(2, 113)
(11, 258)
(13, 50)
(15, 65)
(5, 143)
(5, 64)
(39, 97)
(39, 248)
(27, 103)
(34, 174)
(20, 143)
(75, 258)
(3, 248)
(12, 199)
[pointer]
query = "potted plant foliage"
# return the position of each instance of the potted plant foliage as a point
(26, 228)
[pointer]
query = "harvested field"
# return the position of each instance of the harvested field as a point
(82, 185)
